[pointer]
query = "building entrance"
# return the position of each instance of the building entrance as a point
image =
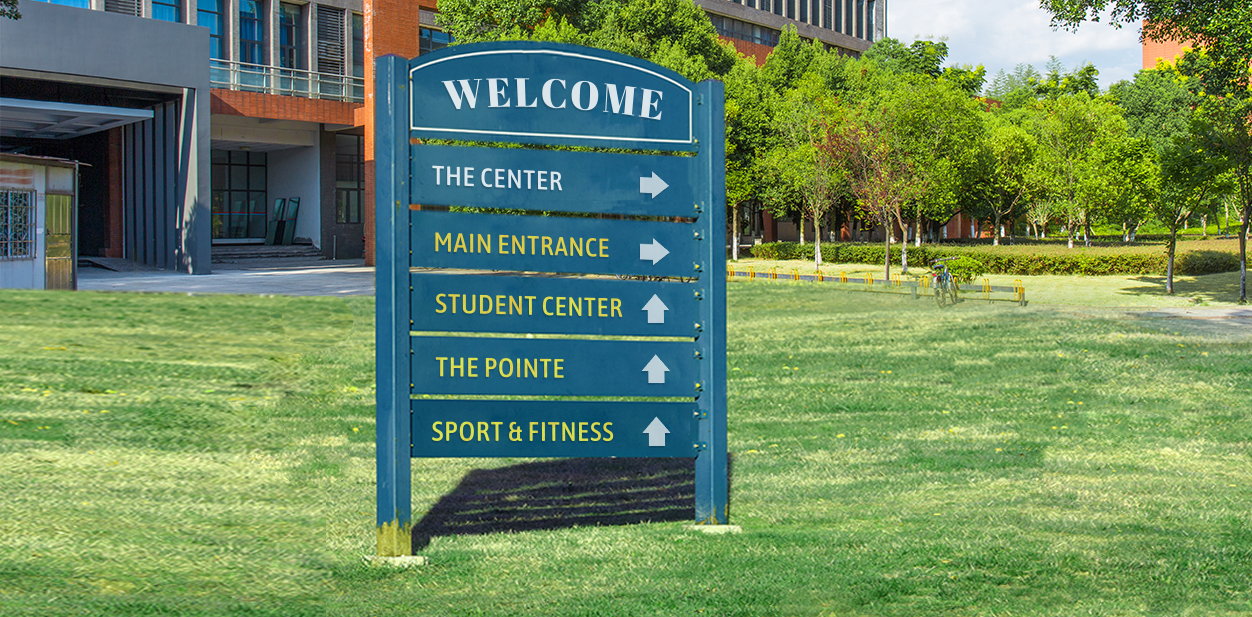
(240, 210)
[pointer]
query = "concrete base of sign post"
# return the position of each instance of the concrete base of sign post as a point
(714, 529)
(404, 561)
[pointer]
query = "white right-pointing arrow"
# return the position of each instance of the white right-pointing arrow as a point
(656, 433)
(656, 370)
(653, 186)
(652, 252)
(656, 310)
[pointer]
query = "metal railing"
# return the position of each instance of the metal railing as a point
(283, 81)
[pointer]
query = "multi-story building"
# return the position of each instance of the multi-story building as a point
(202, 122)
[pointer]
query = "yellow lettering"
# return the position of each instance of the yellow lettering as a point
(582, 431)
(483, 434)
(545, 246)
(556, 368)
(575, 307)
(438, 433)
(600, 302)
(604, 247)
(560, 247)
(461, 431)
(607, 432)
(445, 241)
(515, 308)
(615, 307)
(443, 308)
(460, 244)
(489, 364)
(453, 367)
(532, 369)
(545, 306)
(441, 360)
(500, 305)
(595, 428)
(503, 372)
(484, 244)
(560, 307)
(519, 245)
(545, 362)
(496, 425)
(569, 432)
(531, 427)
(575, 246)
(503, 248)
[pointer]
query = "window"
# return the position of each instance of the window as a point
(251, 34)
(124, 7)
(349, 177)
(209, 15)
(288, 36)
(804, 11)
(167, 10)
(329, 40)
(17, 225)
(827, 9)
(430, 40)
(869, 21)
(859, 30)
(238, 180)
(744, 31)
(358, 53)
(82, 4)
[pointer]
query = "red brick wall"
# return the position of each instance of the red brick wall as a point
(390, 28)
(756, 51)
(1169, 51)
(276, 107)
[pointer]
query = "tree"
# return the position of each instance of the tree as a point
(879, 176)
(1133, 184)
(1190, 178)
(1004, 158)
(1058, 83)
(748, 117)
(8, 9)
(1073, 132)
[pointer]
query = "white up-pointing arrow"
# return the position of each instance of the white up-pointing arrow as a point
(656, 310)
(653, 185)
(656, 370)
(656, 433)
(652, 252)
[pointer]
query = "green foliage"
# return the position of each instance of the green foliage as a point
(1019, 260)
(9, 10)
(1059, 83)
(965, 269)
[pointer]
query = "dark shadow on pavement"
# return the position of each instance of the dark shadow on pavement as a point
(561, 494)
(1222, 287)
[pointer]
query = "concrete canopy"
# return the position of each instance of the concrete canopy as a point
(50, 120)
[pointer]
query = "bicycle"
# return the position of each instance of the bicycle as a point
(946, 289)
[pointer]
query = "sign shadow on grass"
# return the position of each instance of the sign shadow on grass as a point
(563, 493)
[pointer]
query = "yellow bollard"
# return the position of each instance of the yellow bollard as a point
(773, 274)
(869, 282)
(751, 272)
(843, 278)
(730, 274)
(795, 274)
(986, 290)
(820, 278)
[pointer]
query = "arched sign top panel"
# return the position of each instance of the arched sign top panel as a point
(549, 93)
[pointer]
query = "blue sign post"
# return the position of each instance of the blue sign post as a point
(600, 330)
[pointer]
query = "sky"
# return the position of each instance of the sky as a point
(1000, 34)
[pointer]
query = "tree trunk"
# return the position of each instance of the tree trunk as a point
(1125, 233)
(800, 224)
(917, 239)
(904, 249)
(995, 225)
(1204, 227)
(817, 251)
(1243, 254)
(1134, 230)
(734, 233)
(886, 251)
(1169, 263)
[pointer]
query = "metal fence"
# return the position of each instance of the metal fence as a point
(288, 82)
(896, 285)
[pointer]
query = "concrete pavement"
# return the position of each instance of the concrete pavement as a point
(281, 276)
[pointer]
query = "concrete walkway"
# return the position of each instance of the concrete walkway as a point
(283, 276)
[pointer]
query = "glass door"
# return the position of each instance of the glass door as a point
(239, 195)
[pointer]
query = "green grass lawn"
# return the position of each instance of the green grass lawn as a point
(213, 455)
(1130, 291)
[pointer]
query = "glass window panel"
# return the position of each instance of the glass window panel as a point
(257, 158)
(238, 177)
(256, 178)
(238, 157)
(219, 176)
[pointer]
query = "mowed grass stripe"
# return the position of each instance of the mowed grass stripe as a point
(888, 459)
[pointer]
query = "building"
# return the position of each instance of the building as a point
(202, 123)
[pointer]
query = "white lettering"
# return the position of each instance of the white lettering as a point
(484, 180)
(577, 95)
(496, 88)
(648, 104)
(436, 168)
(624, 104)
(469, 96)
(547, 94)
(521, 94)
(469, 176)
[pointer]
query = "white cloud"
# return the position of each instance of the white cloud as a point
(1000, 34)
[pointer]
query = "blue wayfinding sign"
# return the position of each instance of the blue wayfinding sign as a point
(555, 180)
(537, 302)
(554, 305)
(469, 241)
(553, 428)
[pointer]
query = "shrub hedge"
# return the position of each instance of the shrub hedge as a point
(1027, 260)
